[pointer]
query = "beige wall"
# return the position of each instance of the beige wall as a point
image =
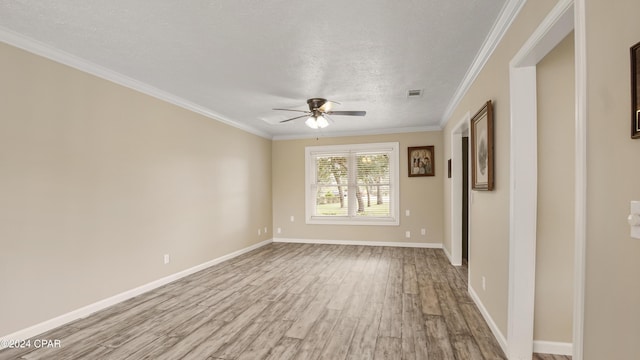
(612, 314)
(97, 182)
(556, 177)
(489, 210)
(421, 195)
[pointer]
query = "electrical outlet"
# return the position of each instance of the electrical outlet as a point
(292, 218)
(484, 283)
(407, 212)
(423, 231)
(167, 259)
(407, 234)
(259, 232)
(279, 230)
(265, 229)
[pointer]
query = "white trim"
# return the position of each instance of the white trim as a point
(62, 57)
(523, 176)
(353, 221)
(557, 24)
(102, 304)
(456, 189)
(580, 241)
(446, 252)
(325, 134)
(507, 15)
(502, 341)
(358, 242)
(555, 348)
(350, 151)
(522, 212)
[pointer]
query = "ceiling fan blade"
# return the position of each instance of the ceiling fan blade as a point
(302, 111)
(349, 113)
(326, 107)
(297, 117)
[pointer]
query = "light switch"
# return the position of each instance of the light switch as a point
(634, 219)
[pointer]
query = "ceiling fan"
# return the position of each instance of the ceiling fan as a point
(318, 110)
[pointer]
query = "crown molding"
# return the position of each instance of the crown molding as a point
(318, 134)
(507, 15)
(41, 49)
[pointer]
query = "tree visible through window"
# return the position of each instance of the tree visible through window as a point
(352, 184)
(332, 185)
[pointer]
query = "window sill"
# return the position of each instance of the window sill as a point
(351, 221)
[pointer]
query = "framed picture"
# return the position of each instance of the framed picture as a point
(482, 148)
(449, 168)
(421, 161)
(635, 91)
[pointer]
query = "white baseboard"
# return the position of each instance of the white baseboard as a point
(502, 340)
(542, 347)
(555, 348)
(446, 252)
(358, 242)
(102, 304)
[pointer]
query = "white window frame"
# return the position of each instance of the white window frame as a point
(394, 187)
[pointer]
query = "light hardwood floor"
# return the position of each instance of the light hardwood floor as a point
(292, 301)
(550, 357)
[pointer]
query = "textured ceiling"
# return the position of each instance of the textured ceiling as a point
(238, 59)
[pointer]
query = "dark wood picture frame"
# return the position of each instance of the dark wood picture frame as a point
(449, 168)
(635, 91)
(482, 148)
(421, 160)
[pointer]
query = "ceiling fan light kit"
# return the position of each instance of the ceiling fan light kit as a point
(318, 109)
(318, 122)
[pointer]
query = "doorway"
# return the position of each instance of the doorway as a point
(523, 202)
(465, 201)
(460, 197)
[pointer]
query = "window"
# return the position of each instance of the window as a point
(352, 184)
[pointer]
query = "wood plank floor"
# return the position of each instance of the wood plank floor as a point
(291, 301)
(550, 357)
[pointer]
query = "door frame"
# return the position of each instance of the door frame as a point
(461, 129)
(566, 16)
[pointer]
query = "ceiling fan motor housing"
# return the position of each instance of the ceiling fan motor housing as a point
(317, 110)
(316, 103)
